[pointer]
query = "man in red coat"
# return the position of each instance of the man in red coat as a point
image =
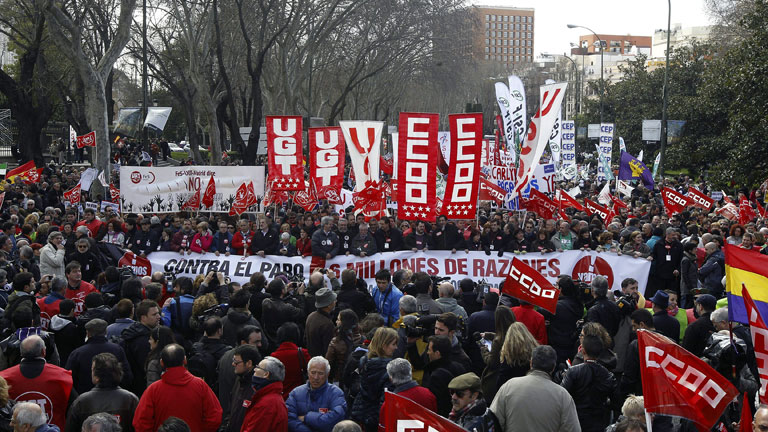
(241, 240)
(93, 224)
(533, 320)
(266, 410)
(399, 371)
(77, 288)
(36, 381)
(177, 394)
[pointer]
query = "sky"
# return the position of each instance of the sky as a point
(638, 18)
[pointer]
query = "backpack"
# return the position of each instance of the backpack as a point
(203, 365)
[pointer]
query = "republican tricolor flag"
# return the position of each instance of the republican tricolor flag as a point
(750, 268)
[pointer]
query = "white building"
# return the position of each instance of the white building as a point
(681, 36)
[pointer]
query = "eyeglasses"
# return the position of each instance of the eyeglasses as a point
(82, 247)
(458, 393)
(235, 362)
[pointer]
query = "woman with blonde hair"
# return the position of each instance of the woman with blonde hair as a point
(374, 378)
(516, 353)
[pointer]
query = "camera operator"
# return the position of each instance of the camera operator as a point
(281, 307)
(628, 300)
(422, 286)
(447, 301)
(446, 324)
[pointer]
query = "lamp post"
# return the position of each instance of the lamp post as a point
(576, 70)
(602, 82)
(143, 74)
(664, 96)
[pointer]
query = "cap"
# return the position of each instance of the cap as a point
(708, 301)
(96, 326)
(467, 381)
(324, 297)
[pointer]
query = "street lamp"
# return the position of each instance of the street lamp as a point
(576, 69)
(602, 83)
(664, 97)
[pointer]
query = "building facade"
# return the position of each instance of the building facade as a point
(681, 36)
(616, 44)
(506, 35)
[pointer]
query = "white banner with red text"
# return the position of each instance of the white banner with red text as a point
(582, 265)
(166, 189)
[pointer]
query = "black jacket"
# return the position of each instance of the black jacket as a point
(418, 241)
(437, 375)
(447, 238)
(562, 326)
(697, 334)
(108, 399)
(234, 321)
(144, 242)
(361, 302)
(135, 343)
(80, 360)
(89, 264)
(68, 336)
(482, 321)
(630, 380)
(389, 241)
(242, 391)
(662, 268)
(590, 385)
(11, 347)
(275, 312)
(265, 242)
(373, 379)
(345, 240)
(667, 325)
(606, 313)
(325, 243)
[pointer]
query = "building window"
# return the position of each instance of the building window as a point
(487, 57)
(530, 35)
(487, 17)
(487, 33)
(517, 58)
(487, 49)
(530, 51)
(530, 19)
(517, 35)
(487, 42)
(493, 25)
(487, 25)
(493, 34)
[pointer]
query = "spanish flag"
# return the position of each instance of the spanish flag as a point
(750, 268)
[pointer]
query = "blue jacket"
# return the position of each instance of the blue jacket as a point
(221, 243)
(306, 402)
(169, 313)
(711, 273)
(388, 303)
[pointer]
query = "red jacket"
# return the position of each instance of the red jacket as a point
(533, 320)
(78, 295)
(241, 242)
(304, 246)
(288, 353)
(201, 243)
(420, 395)
(49, 306)
(178, 394)
(93, 227)
(51, 389)
(266, 411)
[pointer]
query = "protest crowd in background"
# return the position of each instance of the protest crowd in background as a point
(282, 352)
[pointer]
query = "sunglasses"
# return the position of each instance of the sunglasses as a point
(458, 393)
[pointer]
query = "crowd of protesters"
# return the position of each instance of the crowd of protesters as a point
(114, 351)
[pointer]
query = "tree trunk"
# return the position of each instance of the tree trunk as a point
(249, 158)
(30, 126)
(96, 116)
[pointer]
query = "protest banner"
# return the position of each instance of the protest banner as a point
(166, 189)
(582, 265)
(605, 151)
(285, 153)
(568, 153)
(326, 162)
(417, 162)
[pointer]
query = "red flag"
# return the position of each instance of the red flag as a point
(729, 211)
(677, 383)
(746, 212)
(20, 170)
(463, 183)
(284, 148)
(697, 198)
(250, 197)
(114, 193)
(326, 155)
(566, 200)
(306, 198)
(417, 166)
(489, 191)
(87, 140)
(545, 207)
(386, 165)
(759, 332)
(745, 423)
(193, 203)
(210, 191)
(403, 414)
(673, 202)
(73, 195)
(760, 209)
(594, 208)
(240, 204)
(725, 198)
(526, 283)
(617, 202)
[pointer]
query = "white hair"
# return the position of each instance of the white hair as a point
(29, 413)
(719, 315)
(399, 371)
(320, 359)
(275, 368)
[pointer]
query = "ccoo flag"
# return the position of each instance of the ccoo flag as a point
(632, 168)
(750, 268)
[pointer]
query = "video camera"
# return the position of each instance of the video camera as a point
(419, 326)
(584, 291)
(219, 310)
(626, 303)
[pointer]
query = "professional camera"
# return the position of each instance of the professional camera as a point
(421, 326)
(219, 310)
(481, 288)
(584, 290)
(626, 303)
(437, 280)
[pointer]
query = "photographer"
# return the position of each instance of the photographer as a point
(279, 308)
(217, 283)
(446, 324)
(562, 325)
(422, 286)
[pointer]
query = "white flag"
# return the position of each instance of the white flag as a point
(575, 191)
(624, 188)
(539, 131)
(605, 194)
(622, 146)
(103, 179)
(363, 139)
(640, 156)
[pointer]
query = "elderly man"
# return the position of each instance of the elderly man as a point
(29, 417)
(318, 405)
(363, 244)
(325, 242)
(399, 372)
(448, 302)
(603, 311)
(319, 325)
(564, 238)
(667, 255)
(266, 410)
(467, 401)
(712, 272)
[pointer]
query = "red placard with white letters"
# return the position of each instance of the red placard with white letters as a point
(326, 153)
(697, 198)
(417, 166)
(284, 147)
(526, 283)
(674, 202)
(463, 185)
